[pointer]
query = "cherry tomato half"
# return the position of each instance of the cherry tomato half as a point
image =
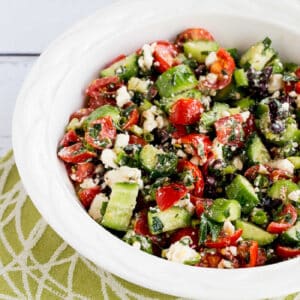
(103, 91)
(69, 138)
(184, 166)
(230, 130)
(133, 116)
(164, 55)
(201, 204)
(101, 133)
(194, 34)
(287, 218)
(81, 171)
(79, 114)
(186, 232)
(225, 241)
(186, 112)
(76, 153)
(86, 196)
(223, 67)
(287, 252)
(133, 139)
(179, 131)
(168, 195)
(141, 224)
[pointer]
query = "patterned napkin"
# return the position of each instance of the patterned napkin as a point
(35, 263)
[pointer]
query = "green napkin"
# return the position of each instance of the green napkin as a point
(35, 263)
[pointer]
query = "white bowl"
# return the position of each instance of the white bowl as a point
(54, 89)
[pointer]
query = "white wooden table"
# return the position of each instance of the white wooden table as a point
(26, 28)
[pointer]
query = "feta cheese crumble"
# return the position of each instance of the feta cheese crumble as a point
(282, 164)
(294, 196)
(95, 208)
(275, 83)
(123, 97)
(108, 158)
(178, 252)
(145, 61)
(210, 58)
(122, 140)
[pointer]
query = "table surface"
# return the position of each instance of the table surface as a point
(26, 28)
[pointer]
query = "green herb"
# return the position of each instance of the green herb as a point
(267, 42)
(157, 225)
(208, 227)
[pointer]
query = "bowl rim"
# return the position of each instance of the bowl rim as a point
(131, 276)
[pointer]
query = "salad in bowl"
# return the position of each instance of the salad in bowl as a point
(189, 151)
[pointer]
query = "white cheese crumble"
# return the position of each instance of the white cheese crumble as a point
(145, 61)
(217, 149)
(245, 115)
(275, 83)
(95, 208)
(262, 170)
(88, 183)
(224, 114)
(228, 228)
(186, 203)
(212, 78)
(294, 196)
(124, 174)
(282, 164)
(108, 157)
(237, 162)
(160, 122)
(150, 123)
(210, 58)
(138, 85)
(122, 140)
(123, 97)
(233, 250)
(178, 252)
(137, 245)
(206, 100)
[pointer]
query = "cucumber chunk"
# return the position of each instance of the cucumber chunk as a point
(291, 236)
(157, 162)
(167, 220)
(295, 160)
(245, 104)
(242, 190)
(240, 77)
(258, 55)
(120, 206)
(227, 93)
(223, 209)
(103, 111)
(256, 151)
(176, 80)
(209, 118)
(282, 188)
(125, 68)
(252, 232)
(199, 49)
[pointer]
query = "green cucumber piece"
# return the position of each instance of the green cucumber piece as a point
(295, 160)
(199, 49)
(291, 236)
(157, 162)
(244, 104)
(242, 190)
(240, 78)
(210, 117)
(120, 206)
(176, 80)
(259, 216)
(282, 188)
(125, 68)
(223, 209)
(145, 243)
(253, 232)
(227, 93)
(166, 103)
(167, 220)
(258, 55)
(277, 66)
(103, 111)
(256, 151)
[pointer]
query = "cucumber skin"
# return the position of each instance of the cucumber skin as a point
(275, 190)
(256, 151)
(120, 206)
(169, 219)
(289, 237)
(198, 49)
(240, 77)
(241, 190)
(253, 232)
(176, 80)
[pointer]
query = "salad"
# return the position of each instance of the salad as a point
(190, 152)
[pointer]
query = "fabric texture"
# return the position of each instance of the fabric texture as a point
(35, 263)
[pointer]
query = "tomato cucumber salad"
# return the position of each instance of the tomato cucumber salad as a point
(190, 151)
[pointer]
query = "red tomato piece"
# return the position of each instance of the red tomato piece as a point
(249, 126)
(101, 133)
(79, 114)
(297, 87)
(287, 252)
(223, 67)
(69, 138)
(86, 196)
(225, 241)
(103, 91)
(253, 254)
(180, 131)
(253, 171)
(186, 232)
(194, 34)
(133, 139)
(287, 218)
(279, 174)
(200, 143)
(82, 171)
(288, 87)
(141, 224)
(201, 204)
(164, 55)
(76, 153)
(230, 130)
(183, 166)
(297, 72)
(166, 196)
(132, 119)
(186, 112)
